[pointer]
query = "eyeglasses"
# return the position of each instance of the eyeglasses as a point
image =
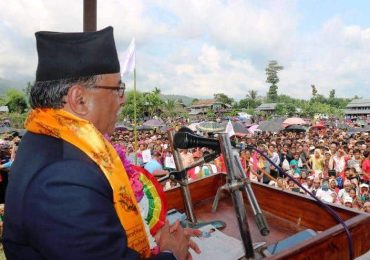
(120, 90)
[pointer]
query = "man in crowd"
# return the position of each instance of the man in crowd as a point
(324, 193)
(344, 193)
(274, 157)
(154, 166)
(73, 199)
(316, 186)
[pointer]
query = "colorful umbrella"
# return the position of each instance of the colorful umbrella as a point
(210, 127)
(154, 123)
(253, 129)
(294, 121)
(193, 126)
(318, 126)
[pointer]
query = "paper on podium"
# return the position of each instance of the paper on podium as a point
(217, 245)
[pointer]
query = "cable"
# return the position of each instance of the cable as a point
(319, 202)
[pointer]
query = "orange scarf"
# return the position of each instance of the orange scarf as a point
(82, 134)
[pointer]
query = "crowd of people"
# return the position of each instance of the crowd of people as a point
(330, 163)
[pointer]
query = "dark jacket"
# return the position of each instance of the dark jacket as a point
(59, 206)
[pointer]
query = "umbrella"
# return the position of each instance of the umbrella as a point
(193, 126)
(164, 128)
(210, 127)
(253, 128)
(342, 126)
(358, 129)
(123, 127)
(238, 127)
(295, 128)
(144, 128)
(20, 132)
(6, 129)
(274, 125)
(294, 121)
(318, 126)
(154, 123)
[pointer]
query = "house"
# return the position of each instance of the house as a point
(358, 110)
(268, 108)
(202, 106)
(4, 109)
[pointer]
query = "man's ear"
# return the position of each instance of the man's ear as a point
(76, 100)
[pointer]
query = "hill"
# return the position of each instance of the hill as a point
(8, 84)
(185, 99)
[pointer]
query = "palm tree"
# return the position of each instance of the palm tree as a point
(170, 106)
(157, 91)
(252, 94)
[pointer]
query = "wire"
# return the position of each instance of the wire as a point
(318, 201)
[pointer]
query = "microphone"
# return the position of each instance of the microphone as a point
(185, 140)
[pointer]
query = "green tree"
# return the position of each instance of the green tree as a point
(170, 107)
(285, 109)
(251, 100)
(157, 91)
(332, 94)
(17, 119)
(16, 101)
(314, 90)
(129, 107)
(152, 102)
(195, 100)
(3, 101)
(221, 97)
(211, 115)
(252, 94)
(272, 77)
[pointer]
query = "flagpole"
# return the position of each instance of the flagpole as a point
(129, 65)
(135, 119)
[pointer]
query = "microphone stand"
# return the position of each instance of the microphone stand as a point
(234, 185)
(182, 180)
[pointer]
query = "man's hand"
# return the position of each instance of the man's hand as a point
(177, 240)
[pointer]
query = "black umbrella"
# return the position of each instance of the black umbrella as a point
(295, 128)
(237, 126)
(358, 129)
(124, 127)
(273, 125)
(6, 129)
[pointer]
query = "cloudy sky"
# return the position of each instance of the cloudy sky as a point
(201, 47)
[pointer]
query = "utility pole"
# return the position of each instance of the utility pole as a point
(89, 16)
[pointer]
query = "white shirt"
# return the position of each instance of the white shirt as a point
(325, 195)
(342, 194)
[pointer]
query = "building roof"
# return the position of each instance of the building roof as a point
(357, 111)
(195, 112)
(205, 103)
(4, 109)
(359, 103)
(267, 106)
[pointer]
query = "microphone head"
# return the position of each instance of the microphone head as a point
(185, 140)
(181, 140)
(185, 129)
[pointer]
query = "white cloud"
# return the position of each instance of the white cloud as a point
(334, 57)
(208, 46)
